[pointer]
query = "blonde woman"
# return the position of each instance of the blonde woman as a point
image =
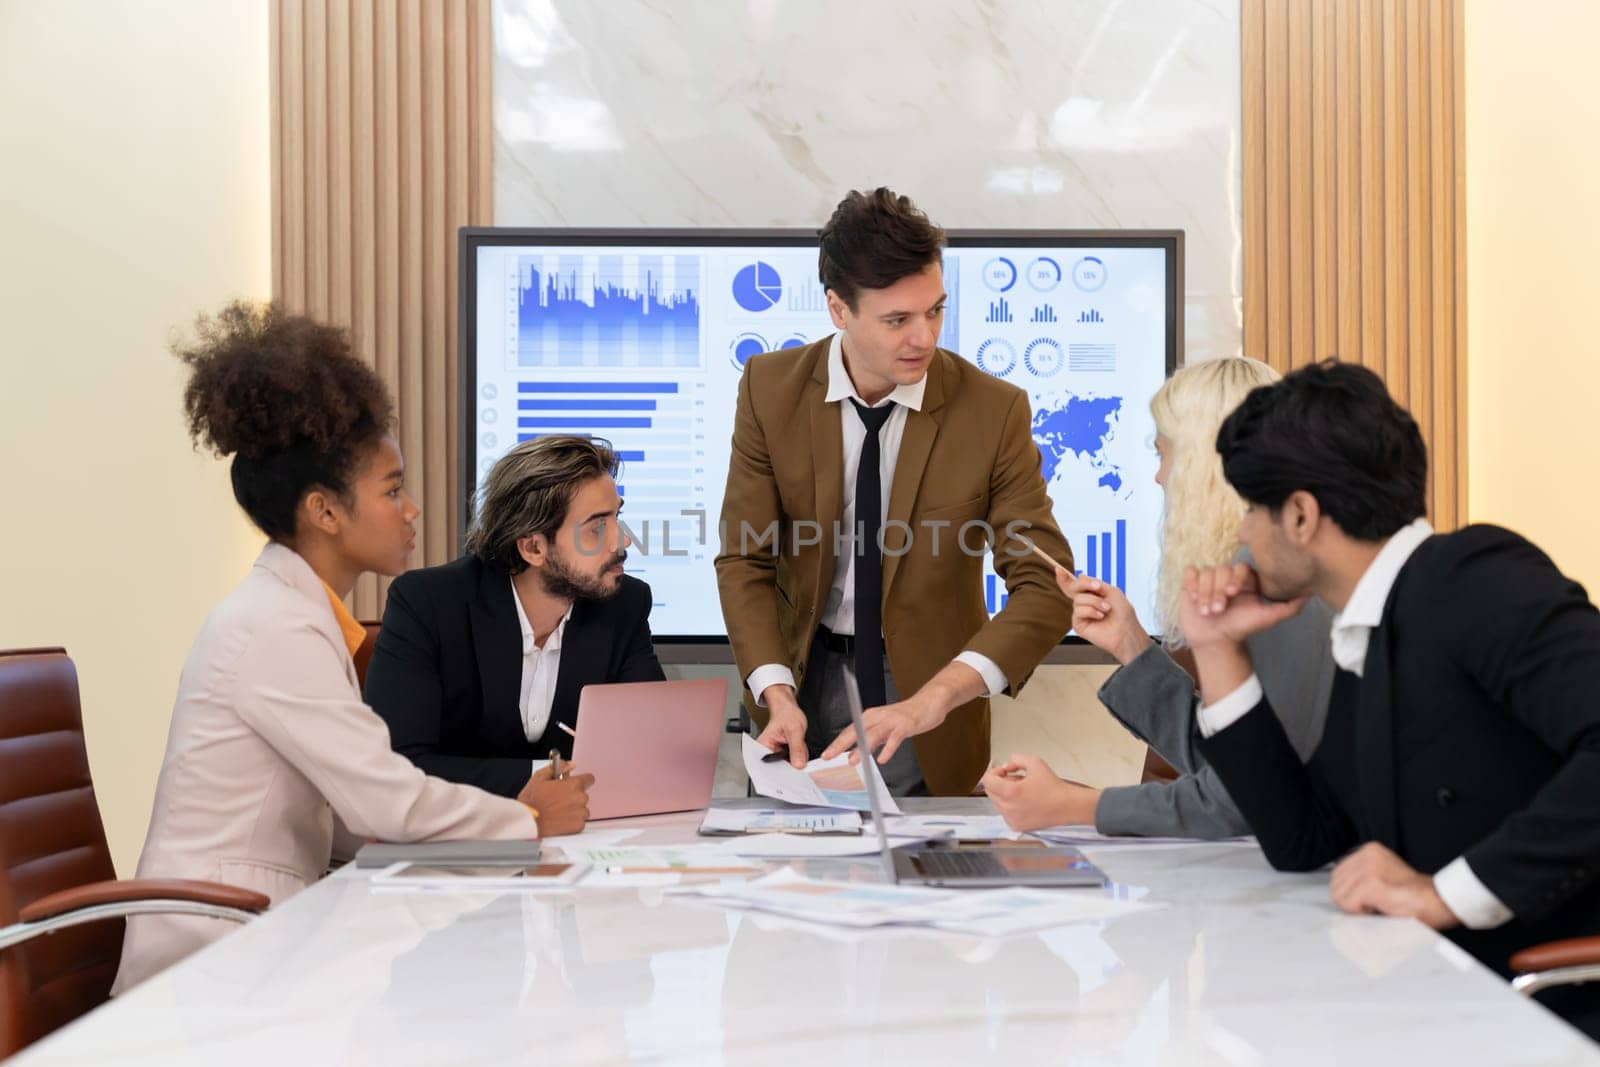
(1151, 694)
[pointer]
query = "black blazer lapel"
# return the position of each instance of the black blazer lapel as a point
(1375, 769)
(497, 647)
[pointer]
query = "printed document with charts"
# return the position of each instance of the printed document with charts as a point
(832, 783)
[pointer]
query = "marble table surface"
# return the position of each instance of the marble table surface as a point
(1239, 964)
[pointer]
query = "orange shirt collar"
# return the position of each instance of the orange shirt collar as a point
(354, 633)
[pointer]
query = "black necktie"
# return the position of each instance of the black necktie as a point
(869, 561)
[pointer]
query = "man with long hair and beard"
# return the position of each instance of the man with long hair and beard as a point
(479, 662)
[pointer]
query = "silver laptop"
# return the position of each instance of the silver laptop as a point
(958, 865)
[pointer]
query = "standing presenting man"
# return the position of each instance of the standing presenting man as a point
(869, 470)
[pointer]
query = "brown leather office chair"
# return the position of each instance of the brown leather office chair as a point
(363, 654)
(56, 876)
(1556, 963)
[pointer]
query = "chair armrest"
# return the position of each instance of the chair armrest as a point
(134, 889)
(1573, 952)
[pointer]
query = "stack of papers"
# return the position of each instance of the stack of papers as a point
(784, 820)
(832, 783)
(861, 905)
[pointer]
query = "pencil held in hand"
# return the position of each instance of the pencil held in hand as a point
(1042, 554)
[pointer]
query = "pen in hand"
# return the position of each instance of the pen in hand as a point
(559, 772)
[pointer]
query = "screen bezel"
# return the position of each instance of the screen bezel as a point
(471, 238)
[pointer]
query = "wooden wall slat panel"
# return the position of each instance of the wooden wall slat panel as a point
(288, 144)
(1276, 66)
(1300, 111)
(1394, 208)
(382, 147)
(1324, 182)
(1252, 25)
(341, 163)
(1353, 205)
(1369, 37)
(314, 113)
(1419, 227)
(436, 250)
(1346, 150)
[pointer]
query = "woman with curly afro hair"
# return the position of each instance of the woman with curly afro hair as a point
(270, 740)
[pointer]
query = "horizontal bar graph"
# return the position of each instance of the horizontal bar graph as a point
(563, 403)
(597, 387)
(602, 423)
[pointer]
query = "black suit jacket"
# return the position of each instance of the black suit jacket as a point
(1473, 730)
(446, 673)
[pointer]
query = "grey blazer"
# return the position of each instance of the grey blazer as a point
(1155, 699)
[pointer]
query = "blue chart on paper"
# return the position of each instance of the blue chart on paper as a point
(757, 287)
(609, 311)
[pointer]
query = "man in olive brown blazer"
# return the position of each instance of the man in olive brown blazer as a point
(876, 439)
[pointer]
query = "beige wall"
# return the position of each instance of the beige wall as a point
(1533, 302)
(133, 193)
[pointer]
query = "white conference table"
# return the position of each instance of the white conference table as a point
(1244, 965)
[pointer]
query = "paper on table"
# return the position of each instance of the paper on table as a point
(678, 857)
(779, 846)
(1089, 837)
(972, 827)
(591, 837)
(830, 783)
(770, 820)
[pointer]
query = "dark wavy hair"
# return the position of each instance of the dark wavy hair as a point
(1332, 430)
(872, 241)
(283, 395)
(529, 490)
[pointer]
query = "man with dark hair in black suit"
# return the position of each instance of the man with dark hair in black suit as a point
(1458, 779)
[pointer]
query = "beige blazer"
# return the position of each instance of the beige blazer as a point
(269, 741)
(967, 457)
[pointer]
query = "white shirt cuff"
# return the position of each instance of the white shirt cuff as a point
(769, 674)
(1468, 898)
(993, 676)
(1214, 718)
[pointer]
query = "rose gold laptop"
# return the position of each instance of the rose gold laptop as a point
(651, 746)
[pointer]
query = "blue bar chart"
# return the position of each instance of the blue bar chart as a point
(652, 426)
(608, 311)
(994, 594)
(1105, 556)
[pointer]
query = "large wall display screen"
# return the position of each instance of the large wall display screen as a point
(640, 337)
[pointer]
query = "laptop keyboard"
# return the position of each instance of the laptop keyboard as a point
(958, 864)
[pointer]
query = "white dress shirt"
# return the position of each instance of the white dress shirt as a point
(839, 613)
(1460, 889)
(539, 669)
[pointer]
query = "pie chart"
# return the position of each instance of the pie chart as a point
(757, 287)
